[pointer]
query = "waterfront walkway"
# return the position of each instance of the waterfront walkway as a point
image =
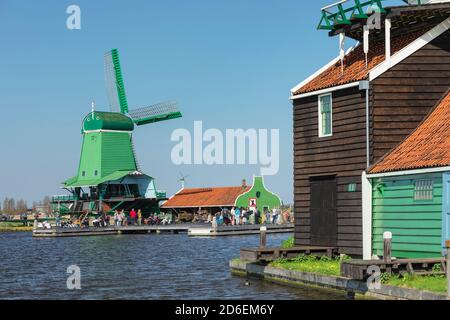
(203, 230)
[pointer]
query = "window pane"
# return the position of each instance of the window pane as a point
(325, 110)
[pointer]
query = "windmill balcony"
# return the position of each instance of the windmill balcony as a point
(161, 194)
(64, 198)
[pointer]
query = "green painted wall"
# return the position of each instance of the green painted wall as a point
(265, 199)
(416, 225)
(105, 152)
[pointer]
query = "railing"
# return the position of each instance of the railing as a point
(336, 14)
(64, 198)
(161, 194)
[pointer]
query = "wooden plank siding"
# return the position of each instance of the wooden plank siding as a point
(416, 225)
(399, 100)
(342, 155)
(404, 95)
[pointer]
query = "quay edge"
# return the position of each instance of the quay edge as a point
(347, 285)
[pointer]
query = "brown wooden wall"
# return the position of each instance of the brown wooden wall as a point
(343, 155)
(404, 95)
(399, 101)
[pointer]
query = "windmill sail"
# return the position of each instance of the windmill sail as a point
(155, 113)
(114, 82)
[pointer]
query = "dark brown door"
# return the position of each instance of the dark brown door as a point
(323, 211)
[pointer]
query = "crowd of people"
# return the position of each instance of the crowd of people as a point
(243, 216)
(120, 218)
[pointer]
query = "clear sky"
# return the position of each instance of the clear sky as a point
(228, 63)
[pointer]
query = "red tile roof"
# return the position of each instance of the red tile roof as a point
(427, 147)
(205, 197)
(355, 64)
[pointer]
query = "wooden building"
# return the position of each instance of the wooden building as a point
(407, 192)
(213, 200)
(357, 108)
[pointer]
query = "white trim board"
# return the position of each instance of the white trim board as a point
(321, 70)
(366, 216)
(408, 172)
(410, 49)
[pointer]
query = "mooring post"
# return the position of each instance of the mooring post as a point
(447, 267)
(387, 236)
(262, 237)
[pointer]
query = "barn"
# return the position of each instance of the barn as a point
(357, 108)
(213, 200)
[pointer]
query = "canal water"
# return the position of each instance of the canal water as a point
(135, 267)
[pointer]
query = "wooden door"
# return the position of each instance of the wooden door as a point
(323, 211)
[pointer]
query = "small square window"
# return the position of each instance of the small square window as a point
(423, 190)
(83, 173)
(325, 115)
(95, 173)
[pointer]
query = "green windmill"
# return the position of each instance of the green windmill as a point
(109, 176)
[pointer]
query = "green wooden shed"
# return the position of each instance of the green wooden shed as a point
(408, 192)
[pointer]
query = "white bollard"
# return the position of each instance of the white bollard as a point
(262, 237)
(387, 248)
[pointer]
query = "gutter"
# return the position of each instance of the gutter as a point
(365, 85)
(327, 90)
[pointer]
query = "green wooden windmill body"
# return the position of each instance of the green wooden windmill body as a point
(108, 166)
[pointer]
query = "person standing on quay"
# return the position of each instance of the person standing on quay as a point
(116, 218)
(133, 216)
(237, 214)
(139, 215)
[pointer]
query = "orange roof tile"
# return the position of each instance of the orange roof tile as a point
(427, 147)
(205, 197)
(355, 64)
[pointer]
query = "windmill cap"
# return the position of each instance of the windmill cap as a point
(99, 120)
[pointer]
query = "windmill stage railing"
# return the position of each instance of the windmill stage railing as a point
(346, 11)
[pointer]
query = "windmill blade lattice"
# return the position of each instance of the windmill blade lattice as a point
(114, 82)
(155, 113)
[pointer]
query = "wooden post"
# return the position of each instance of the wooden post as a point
(387, 236)
(447, 267)
(262, 237)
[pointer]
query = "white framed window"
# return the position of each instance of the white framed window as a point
(325, 115)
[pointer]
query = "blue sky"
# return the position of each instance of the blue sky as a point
(228, 63)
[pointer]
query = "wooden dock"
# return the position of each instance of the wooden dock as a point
(270, 254)
(238, 230)
(198, 230)
(357, 269)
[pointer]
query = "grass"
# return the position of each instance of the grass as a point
(13, 226)
(433, 283)
(9, 224)
(288, 243)
(310, 263)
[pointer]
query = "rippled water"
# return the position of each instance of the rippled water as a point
(135, 267)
